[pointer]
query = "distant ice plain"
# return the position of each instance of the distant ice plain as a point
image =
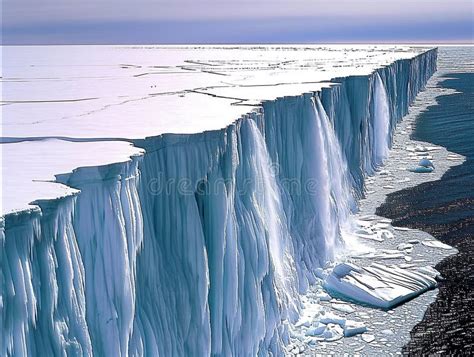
(65, 107)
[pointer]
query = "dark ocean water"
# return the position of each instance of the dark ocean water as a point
(445, 209)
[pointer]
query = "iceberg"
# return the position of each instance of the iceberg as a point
(377, 285)
(197, 242)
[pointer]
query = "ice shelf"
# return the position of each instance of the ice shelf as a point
(202, 189)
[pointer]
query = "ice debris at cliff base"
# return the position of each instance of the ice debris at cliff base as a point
(377, 285)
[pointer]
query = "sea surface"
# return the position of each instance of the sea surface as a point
(445, 209)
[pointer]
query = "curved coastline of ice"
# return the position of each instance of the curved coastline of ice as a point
(213, 265)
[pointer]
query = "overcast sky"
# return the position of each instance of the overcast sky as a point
(236, 21)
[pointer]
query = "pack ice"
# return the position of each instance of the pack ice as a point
(177, 201)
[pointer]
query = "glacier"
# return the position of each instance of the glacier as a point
(202, 244)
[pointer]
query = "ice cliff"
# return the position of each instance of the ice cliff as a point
(202, 245)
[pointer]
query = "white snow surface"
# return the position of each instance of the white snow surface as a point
(28, 167)
(96, 92)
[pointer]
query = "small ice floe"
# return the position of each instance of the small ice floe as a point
(406, 179)
(421, 148)
(368, 234)
(381, 225)
(368, 338)
(413, 241)
(421, 170)
(384, 234)
(388, 187)
(424, 166)
(425, 162)
(322, 296)
(406, 265)
(352, 328)
(405, 246)
(343, 308)
(401, 228)
(454, 157)
(331, 327)
(377, 285)
(384, 173)
(436, 244)
(368, 217)
(295, 349)
(382, 254)
(316, 330)
(424, 156)
(387, 332)
(333, 332)
(429, 270)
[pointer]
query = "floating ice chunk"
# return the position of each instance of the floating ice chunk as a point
(316, 330)
(384, 234)
(372, 236)
(377, 285)
(333, 332)
(406, 266)
(330, 318)
(413, 241)
(343, 308)
(429, 270)
(426, 163)
(369, 217)
(404, 246)
(368, 338)
(401, 228)
(436, 244)
(352, 328)
(421, 169)
(387, 332)
(388, 187)
(322, 296)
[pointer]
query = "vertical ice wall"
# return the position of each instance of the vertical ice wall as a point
(200, 247)
(43, 304)
(381, 125)
(217, 275)
(313, 176)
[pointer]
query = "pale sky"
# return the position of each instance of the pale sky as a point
(236, 21)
